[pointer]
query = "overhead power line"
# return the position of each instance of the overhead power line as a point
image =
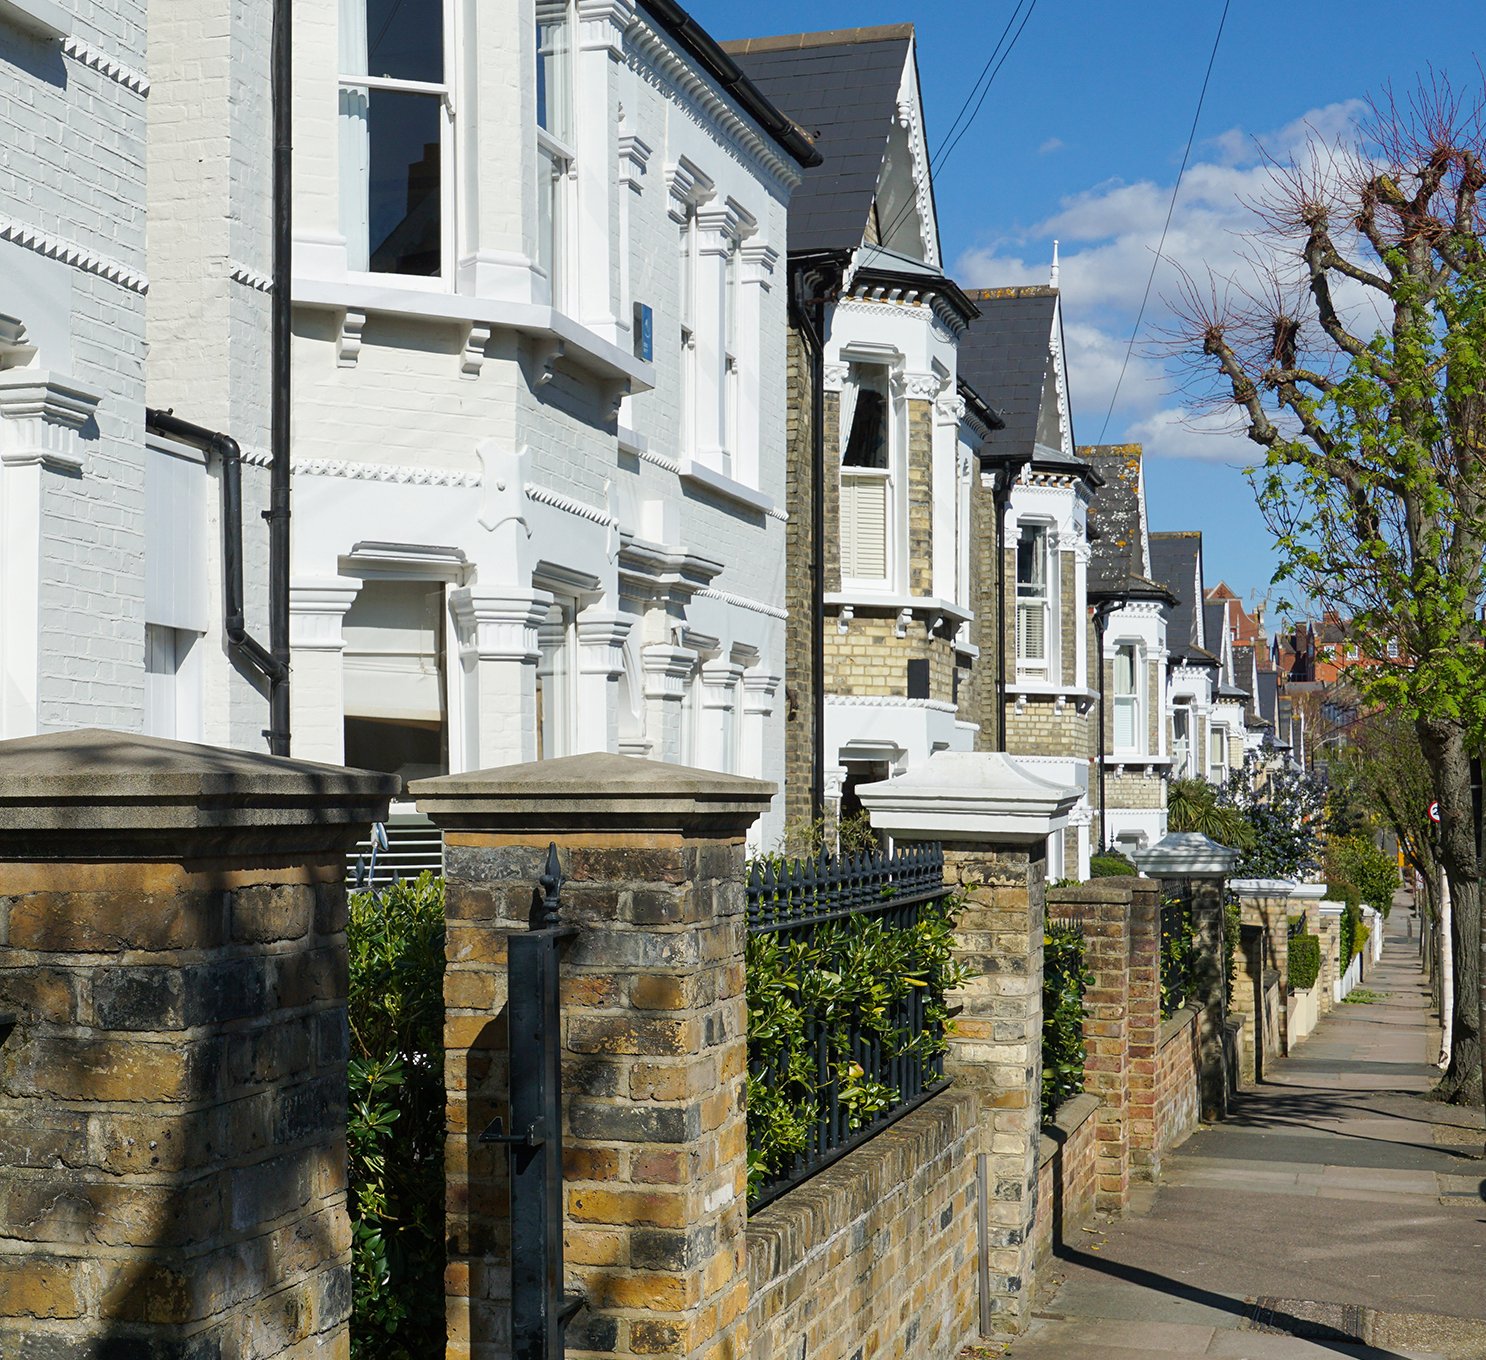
(1170, 208)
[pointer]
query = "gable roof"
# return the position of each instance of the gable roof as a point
(841, 87)
(1176, 562)
(1117, 564)
(1006, 353)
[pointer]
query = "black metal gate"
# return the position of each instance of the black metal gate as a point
(540, 1310)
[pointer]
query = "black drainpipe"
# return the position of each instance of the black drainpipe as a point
(1102, 611)
(277, 515)
(240, 643)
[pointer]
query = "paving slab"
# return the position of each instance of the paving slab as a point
(1337, 1182)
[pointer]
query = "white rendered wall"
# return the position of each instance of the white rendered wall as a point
(72, 274)
(447, 422)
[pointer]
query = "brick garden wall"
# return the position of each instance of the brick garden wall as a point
(1177, 1087)
(1066, 1176)
(878, 1253)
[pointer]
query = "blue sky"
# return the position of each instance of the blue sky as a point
(1081, 137)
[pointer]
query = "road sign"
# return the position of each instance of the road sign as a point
(1434, 812)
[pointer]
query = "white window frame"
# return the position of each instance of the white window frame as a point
(1043, 667)
(557, 174)
(1132, 701)
(687, 280)
(448, 167)
(884, 480)
(1217, 740)
(1183, 762)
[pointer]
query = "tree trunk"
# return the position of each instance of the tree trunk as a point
(1443, 743)
(1442, 965)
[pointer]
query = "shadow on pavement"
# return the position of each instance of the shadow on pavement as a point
(1238, 1308)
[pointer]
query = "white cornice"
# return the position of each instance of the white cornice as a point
(743, 602)
(400, 474)
(68, 252)
(653, 58)
(249, 277)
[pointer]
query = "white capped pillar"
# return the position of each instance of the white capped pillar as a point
(317, 696)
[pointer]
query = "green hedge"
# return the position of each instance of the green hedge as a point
(1065, 979)
(1232, 925)
(1111, 864)
(395, 1131)
(1305, 962)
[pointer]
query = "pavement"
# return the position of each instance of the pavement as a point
(1336, 1213)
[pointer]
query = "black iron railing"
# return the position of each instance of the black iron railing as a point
(1176, 953)
(861, 1051)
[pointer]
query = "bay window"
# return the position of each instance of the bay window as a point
(866, 473)
(1032, 599)
(554, 84)
(396, 136)
(1127, 720)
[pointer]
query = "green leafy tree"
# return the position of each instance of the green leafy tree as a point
(1284, 810)
(1357, 362)
(1196, 805)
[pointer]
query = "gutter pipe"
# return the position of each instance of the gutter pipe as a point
(280, 319)
(240, 643)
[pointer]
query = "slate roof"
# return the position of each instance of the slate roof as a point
(1244, 673)
(841, 87)
(1116, 518)
(1176, 560)
(1006, 353)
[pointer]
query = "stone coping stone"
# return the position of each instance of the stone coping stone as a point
(1067, 1119)
(1183, 1018)
(1186, 854)
(1309, 892)
(98, 795)
(593, 790)
(1263, 887)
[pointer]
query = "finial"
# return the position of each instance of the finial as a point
(1053, 276)
(551, 881)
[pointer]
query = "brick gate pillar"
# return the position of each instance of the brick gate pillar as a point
(1265, 902)
(993, 818)
(1189, 861)
(654, 1034)
(173, 1088)
(1102, 909)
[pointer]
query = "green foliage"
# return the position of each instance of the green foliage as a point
(1285, 812)
(1196, 805)
(1305, 961)
(1351, 924)
(1176, 955)
(1358, 862)
(1110, 864)
(845, 976)
(1065, 979)
(1360, 996)
(1232, 925)
(395, 1130)
(854, 834)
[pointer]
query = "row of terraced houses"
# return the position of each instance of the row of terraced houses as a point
(630, 407)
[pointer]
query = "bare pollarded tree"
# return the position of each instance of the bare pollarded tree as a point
(1355, 358)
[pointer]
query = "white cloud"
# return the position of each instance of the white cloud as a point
(1052, 144)
(1108, 236)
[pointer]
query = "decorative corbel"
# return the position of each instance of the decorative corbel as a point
(546, 351)
(348, 345)
(900, 626)
(844, 618)
(473, 358)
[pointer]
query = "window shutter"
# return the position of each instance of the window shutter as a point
(1031, 631)
(864, 528)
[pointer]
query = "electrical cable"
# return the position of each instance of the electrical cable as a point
(965, 103)
(1170, 208)
(936, 162)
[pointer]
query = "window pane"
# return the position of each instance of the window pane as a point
(554, 68)
(405, 40)
(404, 200)
(1124, 671)
(867, 441)
(1031, 560)
(1124, 733)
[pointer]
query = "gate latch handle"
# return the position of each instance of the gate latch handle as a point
(533, 1137)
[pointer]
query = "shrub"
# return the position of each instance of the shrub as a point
(1305, 962)
(1111, 864)
(1232, 925)
(846, 977)
(1368, 870)
(1176, 954)
(1065, 979)
(395, 940)
(1350, 926)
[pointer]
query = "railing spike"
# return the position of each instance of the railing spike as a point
(551, 884)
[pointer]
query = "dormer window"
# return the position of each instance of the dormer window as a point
(396, 136)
